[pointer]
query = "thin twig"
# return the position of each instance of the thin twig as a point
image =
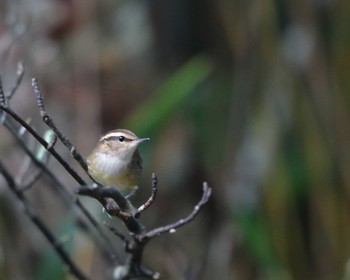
(55, 154)
(29, 210)
(117, 233)
(106, 243)
(43, 156)
(113, 201)
(19, 78)
(3, 102)
(23, 170)
(115, 204)
(32, 180)
(136, 247)
(151, 199)
(22, 131)
(132, 192)
(2, 94)
(50, 123)
(172, 227)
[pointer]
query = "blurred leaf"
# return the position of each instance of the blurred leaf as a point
(170, 96)
(256, 236)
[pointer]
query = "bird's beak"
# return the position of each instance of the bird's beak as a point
(139, 140)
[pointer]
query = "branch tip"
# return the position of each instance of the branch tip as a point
(151, 199)
(20, 68)
(34, 82)
(206, 192)
(39, 99)
(171, 228)
(2, 95)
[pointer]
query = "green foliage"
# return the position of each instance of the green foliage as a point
(49, 265)
(170, 96)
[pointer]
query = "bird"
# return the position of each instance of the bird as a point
(116, 161)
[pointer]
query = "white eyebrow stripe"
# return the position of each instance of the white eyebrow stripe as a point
(115, 134)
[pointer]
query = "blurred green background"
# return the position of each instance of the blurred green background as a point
(250, 96)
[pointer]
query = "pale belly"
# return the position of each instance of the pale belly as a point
(111, 172)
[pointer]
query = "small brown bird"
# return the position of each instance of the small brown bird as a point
(116, 161)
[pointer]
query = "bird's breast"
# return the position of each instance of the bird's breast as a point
(111, 171)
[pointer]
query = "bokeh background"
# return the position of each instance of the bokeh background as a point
(250, 96)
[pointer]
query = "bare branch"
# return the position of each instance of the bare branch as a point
(115, 204)
(3, 103)
(117, 233)
(4, 98)
(56, 155)
(19, 78)
(42, 155)
(31, 181)
(112, 200)
(50, 123)
(56, 183)
(172, 227)
(139, 241)
(2, 94)
(106, 243)
(22, 130)
(30, 212)
(151, 199)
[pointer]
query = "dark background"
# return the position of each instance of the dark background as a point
(251, 96)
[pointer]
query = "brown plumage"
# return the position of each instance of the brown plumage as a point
(116, 161)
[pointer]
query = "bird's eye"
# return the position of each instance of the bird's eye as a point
(121, 138)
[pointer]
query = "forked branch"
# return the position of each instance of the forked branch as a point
(112, 200)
